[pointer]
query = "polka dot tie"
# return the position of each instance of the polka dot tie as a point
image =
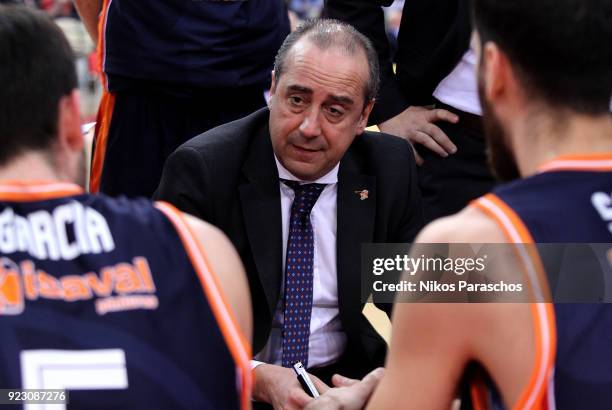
(299, 274)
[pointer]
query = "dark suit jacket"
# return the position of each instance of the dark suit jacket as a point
(228, 177)
(434, 35)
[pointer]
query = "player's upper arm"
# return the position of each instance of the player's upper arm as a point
(430, 342)
(228, 269)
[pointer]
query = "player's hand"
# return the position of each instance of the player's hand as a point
(348, 394)
(416, 124)
(275, 384)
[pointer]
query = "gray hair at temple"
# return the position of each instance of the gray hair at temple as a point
(325, 33)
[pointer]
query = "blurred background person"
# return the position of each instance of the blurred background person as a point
(58, 8)
(172, 70)
(305, 9)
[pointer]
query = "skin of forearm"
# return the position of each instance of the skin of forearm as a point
(89, 10)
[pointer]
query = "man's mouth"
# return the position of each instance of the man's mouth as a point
(306, 149)
(304, 153)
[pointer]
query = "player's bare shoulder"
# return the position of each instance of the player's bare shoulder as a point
(468, 226)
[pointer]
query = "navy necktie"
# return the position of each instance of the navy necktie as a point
(299, 274)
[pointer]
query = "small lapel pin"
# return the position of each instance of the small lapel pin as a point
(363, 194)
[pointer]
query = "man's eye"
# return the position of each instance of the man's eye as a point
(295, 100)
(335, 112)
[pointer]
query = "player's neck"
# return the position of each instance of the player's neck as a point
(31, 166)
(538, 140)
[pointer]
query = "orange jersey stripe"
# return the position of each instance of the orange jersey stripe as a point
(22, 191)
(105, 115)
(591, 162)
(517, 233)
(478, 393)
(534, 395)
(237, 343)
(101, 46)
(507, 219)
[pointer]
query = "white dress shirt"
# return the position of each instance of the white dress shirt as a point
(327, 339)
(459, 89)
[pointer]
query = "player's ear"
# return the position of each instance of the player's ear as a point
(494, 71)
(69, 122)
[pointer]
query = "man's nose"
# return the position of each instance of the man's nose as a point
(311, 126)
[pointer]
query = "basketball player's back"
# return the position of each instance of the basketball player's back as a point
(569, 202)
(115, 301)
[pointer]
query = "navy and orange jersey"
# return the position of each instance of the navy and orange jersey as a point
(568, 201)
(114, 301)
(193, 43)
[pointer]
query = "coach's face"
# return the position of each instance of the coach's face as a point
(317, 108)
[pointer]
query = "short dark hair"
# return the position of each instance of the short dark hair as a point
(325, 33)
(36, 70)
(560, 49)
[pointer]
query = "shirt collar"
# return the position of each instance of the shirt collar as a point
(330, 178)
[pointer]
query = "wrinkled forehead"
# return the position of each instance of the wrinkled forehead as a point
(332, 67)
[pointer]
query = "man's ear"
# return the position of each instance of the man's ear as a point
(503, 87)
(365, 114)
(495, 71)
(273, 84)
(69, 122)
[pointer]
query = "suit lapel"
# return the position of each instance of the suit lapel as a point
(356, 213)
(260, 199)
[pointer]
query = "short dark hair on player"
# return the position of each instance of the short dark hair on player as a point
(561, 49)
(325, 33)
(36, 70)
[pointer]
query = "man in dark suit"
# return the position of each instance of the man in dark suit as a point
(432, 98)
(300, 236)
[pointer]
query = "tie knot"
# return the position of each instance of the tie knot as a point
(306, 195)
(301, 188)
